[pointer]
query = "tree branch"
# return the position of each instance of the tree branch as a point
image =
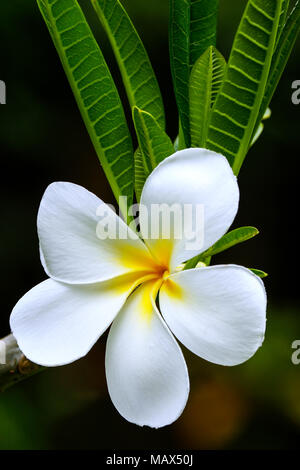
(17, 367)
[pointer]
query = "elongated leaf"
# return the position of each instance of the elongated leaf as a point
(154, 143)
(205, 82)
(259, 272)
(232, 238)
(282, 19)
(139, 174)
(203, 27)
(229, 240)
(192, 30)
(237, 106)
(179, 43)
(135, 67)
(94, 90)
(285, 46)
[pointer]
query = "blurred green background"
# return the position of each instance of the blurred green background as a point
(42, 139)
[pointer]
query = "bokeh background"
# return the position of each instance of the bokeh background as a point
(42, 139)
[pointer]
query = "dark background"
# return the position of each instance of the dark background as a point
(43, 139)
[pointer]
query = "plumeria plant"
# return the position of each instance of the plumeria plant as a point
(151, 279)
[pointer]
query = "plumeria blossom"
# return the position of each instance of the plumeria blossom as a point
(218, 312)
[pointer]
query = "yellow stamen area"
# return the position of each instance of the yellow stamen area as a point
(150, 270)
(129, 282)
(146, 307)
(173, 289)
(163, 250)
(134, 258)
(147, 304)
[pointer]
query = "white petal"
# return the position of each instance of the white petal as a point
(70, 223)
(219, 312)
(55, 323)
(146, 372)
(197, 178)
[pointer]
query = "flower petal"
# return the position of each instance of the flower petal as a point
(55, 323)
(219, 312)
(146, 372)
(82, 240)
(193, 179)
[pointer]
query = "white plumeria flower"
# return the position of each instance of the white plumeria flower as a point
(217, 312)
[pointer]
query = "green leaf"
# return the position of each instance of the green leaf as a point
(135, 67)
(139, 174)
(192, 30)
(181, 139)
(282, 53)
(229, 240)
(237, 106)
(154, 143)
(259, 273)
(282, 19)
(203, 27)
(197, 262)
(232, 238)
(205, 82)
(94, 91)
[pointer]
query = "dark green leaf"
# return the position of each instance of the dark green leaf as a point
(229, 240)
(282, 19)
(94, 90)
(192, 30)
(284, 48)
(154, 143)
(205, 82)
(237, 106)
(135, 67)
(203, 27)
(139, 174)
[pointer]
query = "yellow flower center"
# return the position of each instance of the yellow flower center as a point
(152, 269)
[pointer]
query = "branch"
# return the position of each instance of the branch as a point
(17, 367)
